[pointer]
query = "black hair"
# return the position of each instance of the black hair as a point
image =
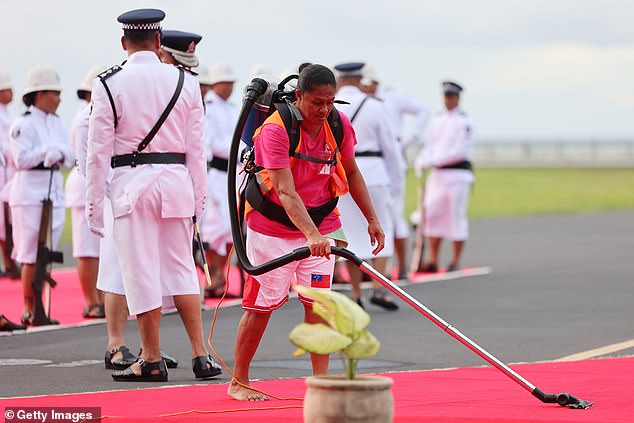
(311, 75)
(29, 99)
(83, 94)
(140, 36)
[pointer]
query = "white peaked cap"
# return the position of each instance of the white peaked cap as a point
(42, 78)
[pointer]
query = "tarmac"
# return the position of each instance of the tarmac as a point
(560, 286)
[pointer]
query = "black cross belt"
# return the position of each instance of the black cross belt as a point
(42, 167)
(368, 154)
(218, 163)
(134, 159)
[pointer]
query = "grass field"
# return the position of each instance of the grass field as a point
(516, 192)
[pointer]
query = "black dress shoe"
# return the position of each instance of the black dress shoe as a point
(453, 268)
(430, 268)
(360, 303)
(378, 298)
(7, 325)
(154, 371)
(126, 361)
(204, 367)
(170, 361)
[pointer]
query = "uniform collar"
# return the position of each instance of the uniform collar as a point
(212, 97)
(144, 56)
(349, 89)
(39, 112)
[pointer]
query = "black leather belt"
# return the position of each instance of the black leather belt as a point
(464, 164)
(42, 167)
(218, 163)
(368, 154)
(134, 159)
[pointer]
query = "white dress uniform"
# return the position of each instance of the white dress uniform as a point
(220, 120)
(152, 204)
(32, 135)
(85, 243)
(6, 172)
(449, 141)
(381, 174)
(396, 106)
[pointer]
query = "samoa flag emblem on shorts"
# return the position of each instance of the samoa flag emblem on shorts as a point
(318, 280)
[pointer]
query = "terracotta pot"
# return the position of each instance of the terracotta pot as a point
(331, 399)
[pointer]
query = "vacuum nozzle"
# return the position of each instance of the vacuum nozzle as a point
(566, 400)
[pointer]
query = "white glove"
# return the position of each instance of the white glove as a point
(94, 220)
(52, 157)
(419, 166)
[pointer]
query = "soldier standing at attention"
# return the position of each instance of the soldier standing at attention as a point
(39, 146)
(147, 124)
(448, 150)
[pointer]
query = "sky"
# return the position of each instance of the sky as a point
(533, 70)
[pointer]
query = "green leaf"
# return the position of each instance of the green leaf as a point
(338, 310)
(366, 345)
(318, 338)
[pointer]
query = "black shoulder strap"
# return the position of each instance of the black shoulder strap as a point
(166, 112)
(334, 120)
(291, 123)
(359, 108)
(102, 77)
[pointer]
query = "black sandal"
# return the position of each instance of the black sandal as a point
(204, 367)
(126, 361)
(170, 361)
(148, 372)
(7, 325)
(378, 298)
(94, 311)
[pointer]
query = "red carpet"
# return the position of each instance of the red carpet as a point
(475, 395)
(67, 301)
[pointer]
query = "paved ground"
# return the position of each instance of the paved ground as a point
(560, 285)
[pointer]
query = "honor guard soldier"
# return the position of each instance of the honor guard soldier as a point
(39, 146)
(7, 170)
(220, 120)
(397, 105)
(179, 48)
(380, 163)
(85, 243)
(448, 152)
(147, 124)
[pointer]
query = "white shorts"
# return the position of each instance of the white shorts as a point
(356, 227)
(446, 200)
(26, 229)
(269, 291)
(85, 243)
(155, 254)
(109, 278)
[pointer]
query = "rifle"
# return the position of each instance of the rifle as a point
(42, 279)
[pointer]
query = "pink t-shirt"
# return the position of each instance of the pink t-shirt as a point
(311, 179)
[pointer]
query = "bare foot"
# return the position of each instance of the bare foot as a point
(240, 393)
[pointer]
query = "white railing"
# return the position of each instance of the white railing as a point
(554, 154)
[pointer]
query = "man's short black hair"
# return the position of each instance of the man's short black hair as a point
(29, 99)
(137, 36)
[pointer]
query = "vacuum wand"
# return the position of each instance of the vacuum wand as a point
(563, 399)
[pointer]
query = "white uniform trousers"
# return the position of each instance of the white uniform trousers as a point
(26, 230)
(356, 227)
(446, 200)
(216, 227)
(155, 254)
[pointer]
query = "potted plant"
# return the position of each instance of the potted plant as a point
(349, 397)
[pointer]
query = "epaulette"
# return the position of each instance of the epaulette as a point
(109, 72)
(186, 69)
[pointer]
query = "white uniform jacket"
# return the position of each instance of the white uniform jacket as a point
(220, 120)
(8, 171)
(449, 140)
(375, 134)
(32, 135)
(141, 92)
(75, 189)
(396, 106)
